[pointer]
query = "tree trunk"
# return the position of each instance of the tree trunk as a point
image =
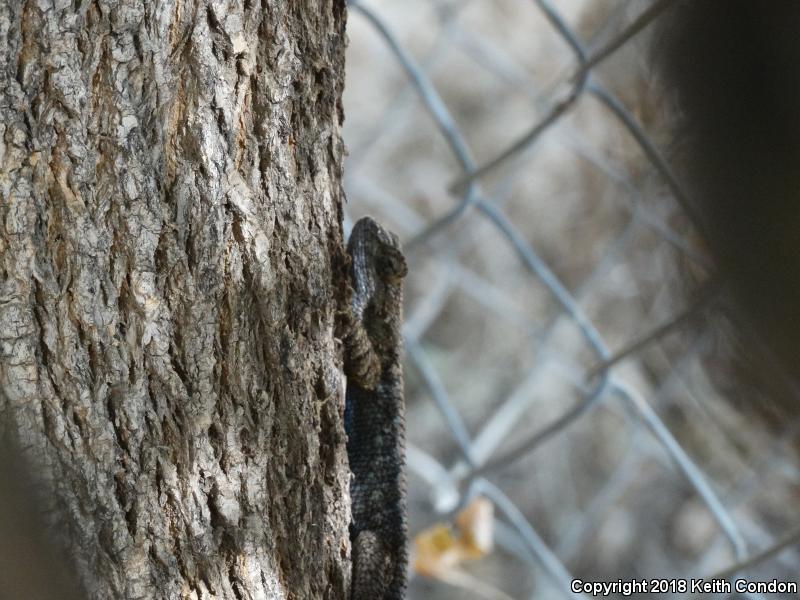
(171, 265)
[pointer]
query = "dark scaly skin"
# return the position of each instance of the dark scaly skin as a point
(374, 415)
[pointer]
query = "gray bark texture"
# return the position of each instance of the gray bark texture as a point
(171, 267)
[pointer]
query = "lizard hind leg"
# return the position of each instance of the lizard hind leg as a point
(372, 568)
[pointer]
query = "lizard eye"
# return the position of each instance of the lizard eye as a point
(393, 263)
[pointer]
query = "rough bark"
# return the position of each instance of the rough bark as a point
(170, 270)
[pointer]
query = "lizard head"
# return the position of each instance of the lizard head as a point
(378, 267)
(369, 238)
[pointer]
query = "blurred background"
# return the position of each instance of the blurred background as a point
(520, 151)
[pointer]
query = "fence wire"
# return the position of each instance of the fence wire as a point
(537, 272)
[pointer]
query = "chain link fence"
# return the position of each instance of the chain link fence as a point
(515, 148)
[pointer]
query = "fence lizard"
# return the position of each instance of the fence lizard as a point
(374, 414)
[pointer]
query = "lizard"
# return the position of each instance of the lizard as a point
(374, 414)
